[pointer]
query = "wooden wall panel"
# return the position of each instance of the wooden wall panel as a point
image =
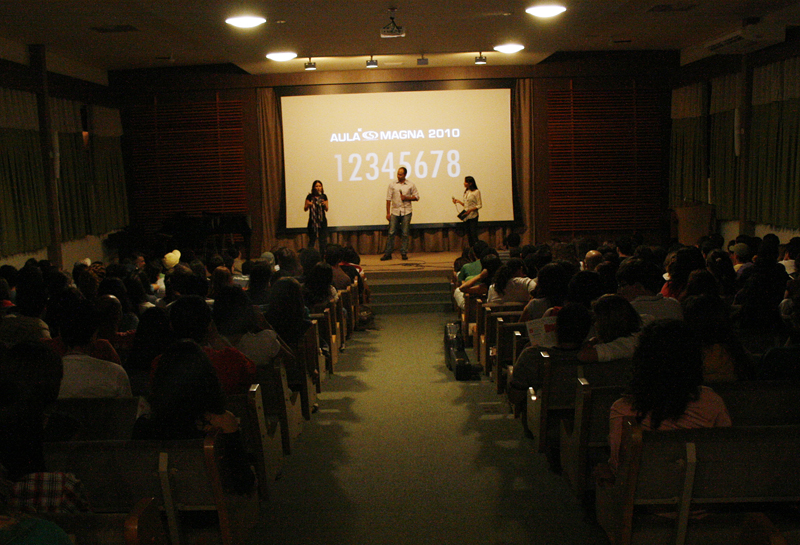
(605, 159)
(185, 158)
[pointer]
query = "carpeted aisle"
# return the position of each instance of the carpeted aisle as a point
(401, 453)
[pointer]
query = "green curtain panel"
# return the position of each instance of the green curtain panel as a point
(722, 163)
(76, 185)
(688, 161)
(24, 225)
(109, 199)
(764, 167)
(774, 173)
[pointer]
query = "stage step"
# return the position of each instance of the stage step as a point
(401, 293)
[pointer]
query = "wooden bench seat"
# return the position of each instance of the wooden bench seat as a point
(99, 418)
(261, 434)
(142, 526)
(584, 438)
(676, 472)
(180, 475)
(555, 398)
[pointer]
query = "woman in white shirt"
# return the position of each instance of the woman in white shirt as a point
(471, 203)
(511, 284)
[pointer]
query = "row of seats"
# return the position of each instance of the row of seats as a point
(126, 481)
(747, 465)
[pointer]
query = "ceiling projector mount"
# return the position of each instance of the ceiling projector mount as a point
(392, 30)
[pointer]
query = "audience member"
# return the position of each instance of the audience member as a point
(85, 376)
(724, 357)
(24, 322)
(666, 390)
(551, 290)
(186, 402)
(617, 325)
(511, 284)
(640, 283)
(687, 259)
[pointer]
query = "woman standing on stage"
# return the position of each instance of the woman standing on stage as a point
(472, 203)
(316, 205)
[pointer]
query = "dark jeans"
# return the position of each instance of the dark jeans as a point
(322, 235)
(472, 230)
(404, 222)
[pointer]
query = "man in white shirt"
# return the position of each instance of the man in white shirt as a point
(399, 197)
(85, 376)
(640, 282)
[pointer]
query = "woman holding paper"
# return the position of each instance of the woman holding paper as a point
(471, 203)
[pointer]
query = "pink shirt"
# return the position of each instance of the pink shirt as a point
(708, 411)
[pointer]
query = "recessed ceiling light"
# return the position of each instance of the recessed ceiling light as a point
(546, 10)
(246, 21)
(509, 48)
(282, 56)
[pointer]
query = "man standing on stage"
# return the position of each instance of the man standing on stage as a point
(398, 211)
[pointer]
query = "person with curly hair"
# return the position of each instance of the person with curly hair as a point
(666, 391)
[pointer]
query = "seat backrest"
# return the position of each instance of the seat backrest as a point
(761, 402)
(102, 418)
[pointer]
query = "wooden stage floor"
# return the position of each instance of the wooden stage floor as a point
(417, 262)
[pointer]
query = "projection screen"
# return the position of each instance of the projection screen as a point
(354, 144)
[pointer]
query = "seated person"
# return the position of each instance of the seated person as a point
(318, 289)
(479, 284)
(60, 312)
(724, 357)
(30, 378)
(573, 322)
(333, 256)
(511, 283)
(190, 318)
(473, 266)
(617, 326)
(640, 282)
(85, 376)
(552, 284)
(187, 401)
(666, 390)
(24, 321)
(239, 323)
(286, 311)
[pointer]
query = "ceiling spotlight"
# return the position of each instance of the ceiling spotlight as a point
(509, 48)
(246, 21)
(480, 59)
(310, 65)
(546, 10)
(371, 63)
(422, 61)
(282, 56)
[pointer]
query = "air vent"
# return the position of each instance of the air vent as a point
(678, 7)
(114, 29)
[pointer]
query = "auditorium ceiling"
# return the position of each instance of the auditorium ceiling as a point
(343, 34)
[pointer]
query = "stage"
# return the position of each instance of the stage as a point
(417, 262)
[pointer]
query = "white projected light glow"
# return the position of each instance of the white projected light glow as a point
(354, 144)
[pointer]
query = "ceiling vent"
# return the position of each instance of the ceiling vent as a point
(747, 39)
(114, 29)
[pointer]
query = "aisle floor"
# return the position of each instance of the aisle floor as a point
(401, 453)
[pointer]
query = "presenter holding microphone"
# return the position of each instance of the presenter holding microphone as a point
(316, 205)
(399, 197)
(471, 203)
